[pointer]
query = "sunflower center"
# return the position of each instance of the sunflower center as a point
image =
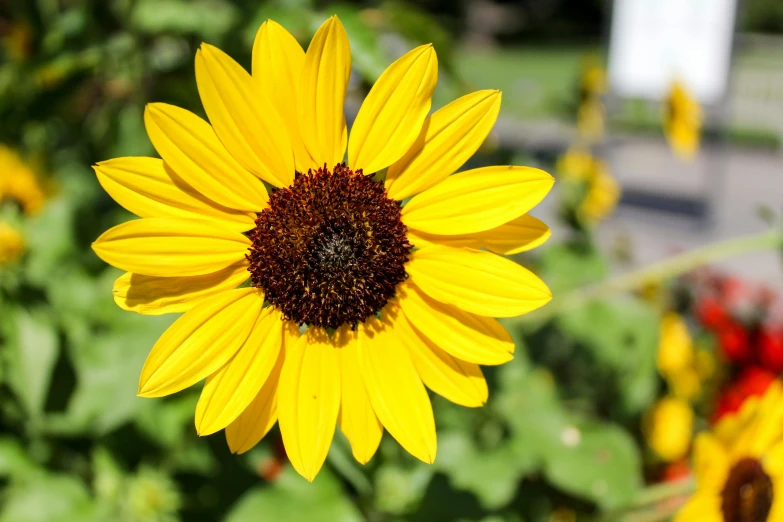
(747, 494)
(330, 249)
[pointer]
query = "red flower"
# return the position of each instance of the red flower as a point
(750, 383)
(770, 347)
(734, 342)
(711, 313)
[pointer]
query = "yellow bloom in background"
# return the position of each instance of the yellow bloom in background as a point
(601, 190)
(576, 164)
(682, 120)
(678, 362)
(19, 182)
(590, 112)
(590, 120)
(12, 244)
(603, 193)
(739, 466)
(592, 78)
(675, 348)
(355, 303)
(669, 427)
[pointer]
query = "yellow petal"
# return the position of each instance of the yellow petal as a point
(472, 338)
(152, 295)
(231, 389)
(149, 188)
(520, 235)
(309, 401)
(322, 87)
(247, 124)
(390, 118)
(170, 247)
(701, 508)
(776, 512)
(192, 149)
(396, 392)
(477, 200)
(459, 381)
(200, 342)
(278, 60)
(250, 427)
(710, 463)
(476, 281)
(447, 140)
(357, 419)
(773, 461)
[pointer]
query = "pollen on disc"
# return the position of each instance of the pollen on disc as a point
(330, 249)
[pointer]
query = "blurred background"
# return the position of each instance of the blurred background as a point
(661, 121)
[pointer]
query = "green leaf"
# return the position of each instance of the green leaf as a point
(597, 462)
(107, 373)
(399, 490)
(565, 267)
(623, 335)
(50, 239)
(166, 422)
(13, 460)
(48, 498)
(207, 18)
(32, 355)
(292, 499)
(491, 475)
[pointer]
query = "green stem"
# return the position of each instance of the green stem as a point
(655, 503)
(663, 491)
(657, 272)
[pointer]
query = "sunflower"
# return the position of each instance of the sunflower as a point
(312, 296)
(739, 466)
(682, 119)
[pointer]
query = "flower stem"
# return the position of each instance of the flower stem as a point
(655, 503)
(657, 272)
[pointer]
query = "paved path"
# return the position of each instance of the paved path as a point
(750, 179)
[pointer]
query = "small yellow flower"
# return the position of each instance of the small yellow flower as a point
(675, 348)
(603, 193)
(592, 78)
(679, 363)
(590, 120)
(11, 244)
(669, 427)
(682, 120)
(19, 182)
(391, 298)
(576, 164)
(739, 466)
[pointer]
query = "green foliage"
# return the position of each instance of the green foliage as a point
(324, 501)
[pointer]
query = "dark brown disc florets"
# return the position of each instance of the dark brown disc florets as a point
(330, 249)
(747, 495)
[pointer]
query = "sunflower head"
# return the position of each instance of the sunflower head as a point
(739, 466)
(326, 277)
(330, 249)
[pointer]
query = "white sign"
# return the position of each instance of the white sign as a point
(655, 42)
